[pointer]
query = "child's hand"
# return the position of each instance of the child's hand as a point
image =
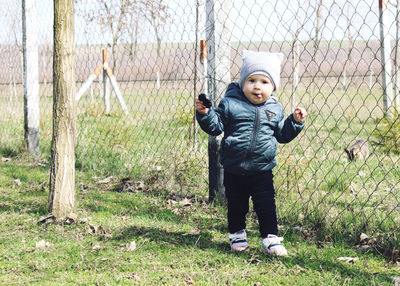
(200, 107)
(299, 114)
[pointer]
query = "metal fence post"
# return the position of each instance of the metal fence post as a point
(31, 75)
(218, 73)
(386, 56)
(396, 59)
(296, 63)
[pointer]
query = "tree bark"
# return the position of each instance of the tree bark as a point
(62, 169)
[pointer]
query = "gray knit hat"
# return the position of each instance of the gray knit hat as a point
(266, 63)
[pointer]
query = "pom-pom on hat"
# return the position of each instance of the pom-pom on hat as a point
(265, 63)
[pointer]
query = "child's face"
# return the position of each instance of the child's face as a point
(258, 88)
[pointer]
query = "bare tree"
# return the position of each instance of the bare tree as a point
(122, 18)
(318, 24)
(113, 16)
(62, 169)
(157, 14)
(350, 45)
(133, 31)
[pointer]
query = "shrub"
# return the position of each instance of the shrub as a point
(387, 133)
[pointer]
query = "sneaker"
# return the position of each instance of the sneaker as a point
(272, 245)
(238, 241)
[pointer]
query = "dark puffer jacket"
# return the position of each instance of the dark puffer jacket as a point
(251, 132)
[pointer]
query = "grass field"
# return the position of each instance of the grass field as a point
(317, 187)
(135, 233)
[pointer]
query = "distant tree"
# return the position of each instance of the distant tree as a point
(15, 25)
(134, 23)
(62, 167)
(112, 16)
(157, 14)
(318, 24)
(122, 18)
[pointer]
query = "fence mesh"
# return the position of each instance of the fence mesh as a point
(141, 123)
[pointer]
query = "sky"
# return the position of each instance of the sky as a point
(250, 20)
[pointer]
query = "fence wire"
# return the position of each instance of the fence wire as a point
(139, 122)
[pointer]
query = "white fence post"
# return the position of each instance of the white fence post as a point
(31, 75)
(385, 54)
(218, 34)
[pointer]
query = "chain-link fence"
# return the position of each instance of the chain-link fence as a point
(340, 64)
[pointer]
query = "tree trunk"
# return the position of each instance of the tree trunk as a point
(62, 169)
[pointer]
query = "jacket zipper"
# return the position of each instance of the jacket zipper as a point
(253, 139)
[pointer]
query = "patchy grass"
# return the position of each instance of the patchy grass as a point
(316, 185)
(180, 240)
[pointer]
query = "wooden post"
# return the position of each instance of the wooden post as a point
(218, 48)
(106, 82)
(203, 67)
(31, 76)
(385, 56)
(116, 90)
(107, 76)
(88, 83)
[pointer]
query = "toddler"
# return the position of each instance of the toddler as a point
(253, 123)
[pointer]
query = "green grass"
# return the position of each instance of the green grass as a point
(317, 187)
(175, 245)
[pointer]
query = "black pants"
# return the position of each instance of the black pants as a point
(260, 187)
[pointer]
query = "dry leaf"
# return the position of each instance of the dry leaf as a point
(348, 259)
(189, 280)
(194, 231)
(185, 202)
(92, 229)
(71, 218)
(5, 159)
(131, 246)
(140, 186)
(99, 230)
(363, 237)
(96, 247)
(106, 180)
(47, 219)
(42, 244)
(84, 220)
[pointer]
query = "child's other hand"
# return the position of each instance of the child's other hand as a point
(200, 107)
(299, 114)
